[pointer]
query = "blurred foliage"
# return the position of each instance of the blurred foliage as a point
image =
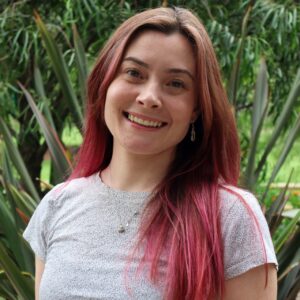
(47, 49)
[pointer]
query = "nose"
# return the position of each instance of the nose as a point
(149, 96)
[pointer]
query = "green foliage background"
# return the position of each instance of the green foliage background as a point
(46, 52)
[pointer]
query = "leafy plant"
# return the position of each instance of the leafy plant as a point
(52, 92)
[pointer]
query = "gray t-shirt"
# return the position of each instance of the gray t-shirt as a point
(74, 230)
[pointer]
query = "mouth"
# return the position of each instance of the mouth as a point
(144, 122)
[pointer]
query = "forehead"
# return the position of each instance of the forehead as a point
(172, 49)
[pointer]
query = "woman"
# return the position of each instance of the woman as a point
(152, 210)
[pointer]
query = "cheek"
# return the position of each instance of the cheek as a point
(109, 106)
(182, 112)
(112, 99)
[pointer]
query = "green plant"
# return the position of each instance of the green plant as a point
(47, 98)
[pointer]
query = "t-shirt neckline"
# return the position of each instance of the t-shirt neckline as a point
(112, 192)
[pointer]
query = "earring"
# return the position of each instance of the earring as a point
(193, 132)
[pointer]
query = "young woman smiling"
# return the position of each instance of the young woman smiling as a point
(152, 209)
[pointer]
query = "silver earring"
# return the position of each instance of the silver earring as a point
(193, 133)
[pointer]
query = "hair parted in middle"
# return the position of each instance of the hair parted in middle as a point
(185, 205)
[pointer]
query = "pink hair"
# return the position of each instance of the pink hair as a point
(184, 209)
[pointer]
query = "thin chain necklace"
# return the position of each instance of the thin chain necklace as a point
(122, 228)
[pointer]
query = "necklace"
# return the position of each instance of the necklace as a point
(122, 228)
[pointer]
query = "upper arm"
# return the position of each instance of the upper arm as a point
(39, 269)
(251, 285)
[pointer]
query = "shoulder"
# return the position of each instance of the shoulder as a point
(68, 190)
(240, 212)
(237, 202)
(246, 237)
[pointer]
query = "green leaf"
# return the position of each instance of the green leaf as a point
(81, 63)
(39, 86)
(286, 254)
(286, 232)
(282, 120)
(293, 134)
(23, 285)
(22, 200)
(7, 168)
(6, 290)
(291, 278)
(15, 241)
(260, 106)
(234, 76)
(260, 103)
(273, 215)
(17, 160)
(58, 155)
(60, 70)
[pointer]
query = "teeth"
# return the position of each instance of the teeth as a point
(144, 122)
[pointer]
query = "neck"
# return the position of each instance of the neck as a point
(136, 173)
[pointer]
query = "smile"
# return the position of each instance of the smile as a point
(146, 123)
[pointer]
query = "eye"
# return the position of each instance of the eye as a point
(176, 84)
(134, 73)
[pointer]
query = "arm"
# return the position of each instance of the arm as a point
(251, 285)
(39, 269)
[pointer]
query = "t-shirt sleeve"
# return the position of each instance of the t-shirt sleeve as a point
(37, 230)
(246, 236)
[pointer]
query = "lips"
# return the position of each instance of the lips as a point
(144, 122)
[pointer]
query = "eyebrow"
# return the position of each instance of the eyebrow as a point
(171, 70)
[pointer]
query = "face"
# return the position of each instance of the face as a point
(151, 102)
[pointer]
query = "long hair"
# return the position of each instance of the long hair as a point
(183, 219)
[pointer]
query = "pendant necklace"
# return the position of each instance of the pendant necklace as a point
(122, 228)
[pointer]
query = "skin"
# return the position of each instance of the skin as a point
(39, 270)
(161, 88)
(251, 285)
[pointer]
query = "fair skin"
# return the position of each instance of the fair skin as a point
(251, 285)
(39, 270)
(153, 116)
(148, 121)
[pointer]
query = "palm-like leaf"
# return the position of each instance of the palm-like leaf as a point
(24, 285)
(281, 122)
(58, 154)
(81, 63)
(39, 86)
(273, 215)
(260, 107)
(6, 290)
(289, 287)
(16, 158)
(60, 70)
(234, 76)
(286, 232)
(293, 134)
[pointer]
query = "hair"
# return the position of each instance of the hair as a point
(183, 222)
